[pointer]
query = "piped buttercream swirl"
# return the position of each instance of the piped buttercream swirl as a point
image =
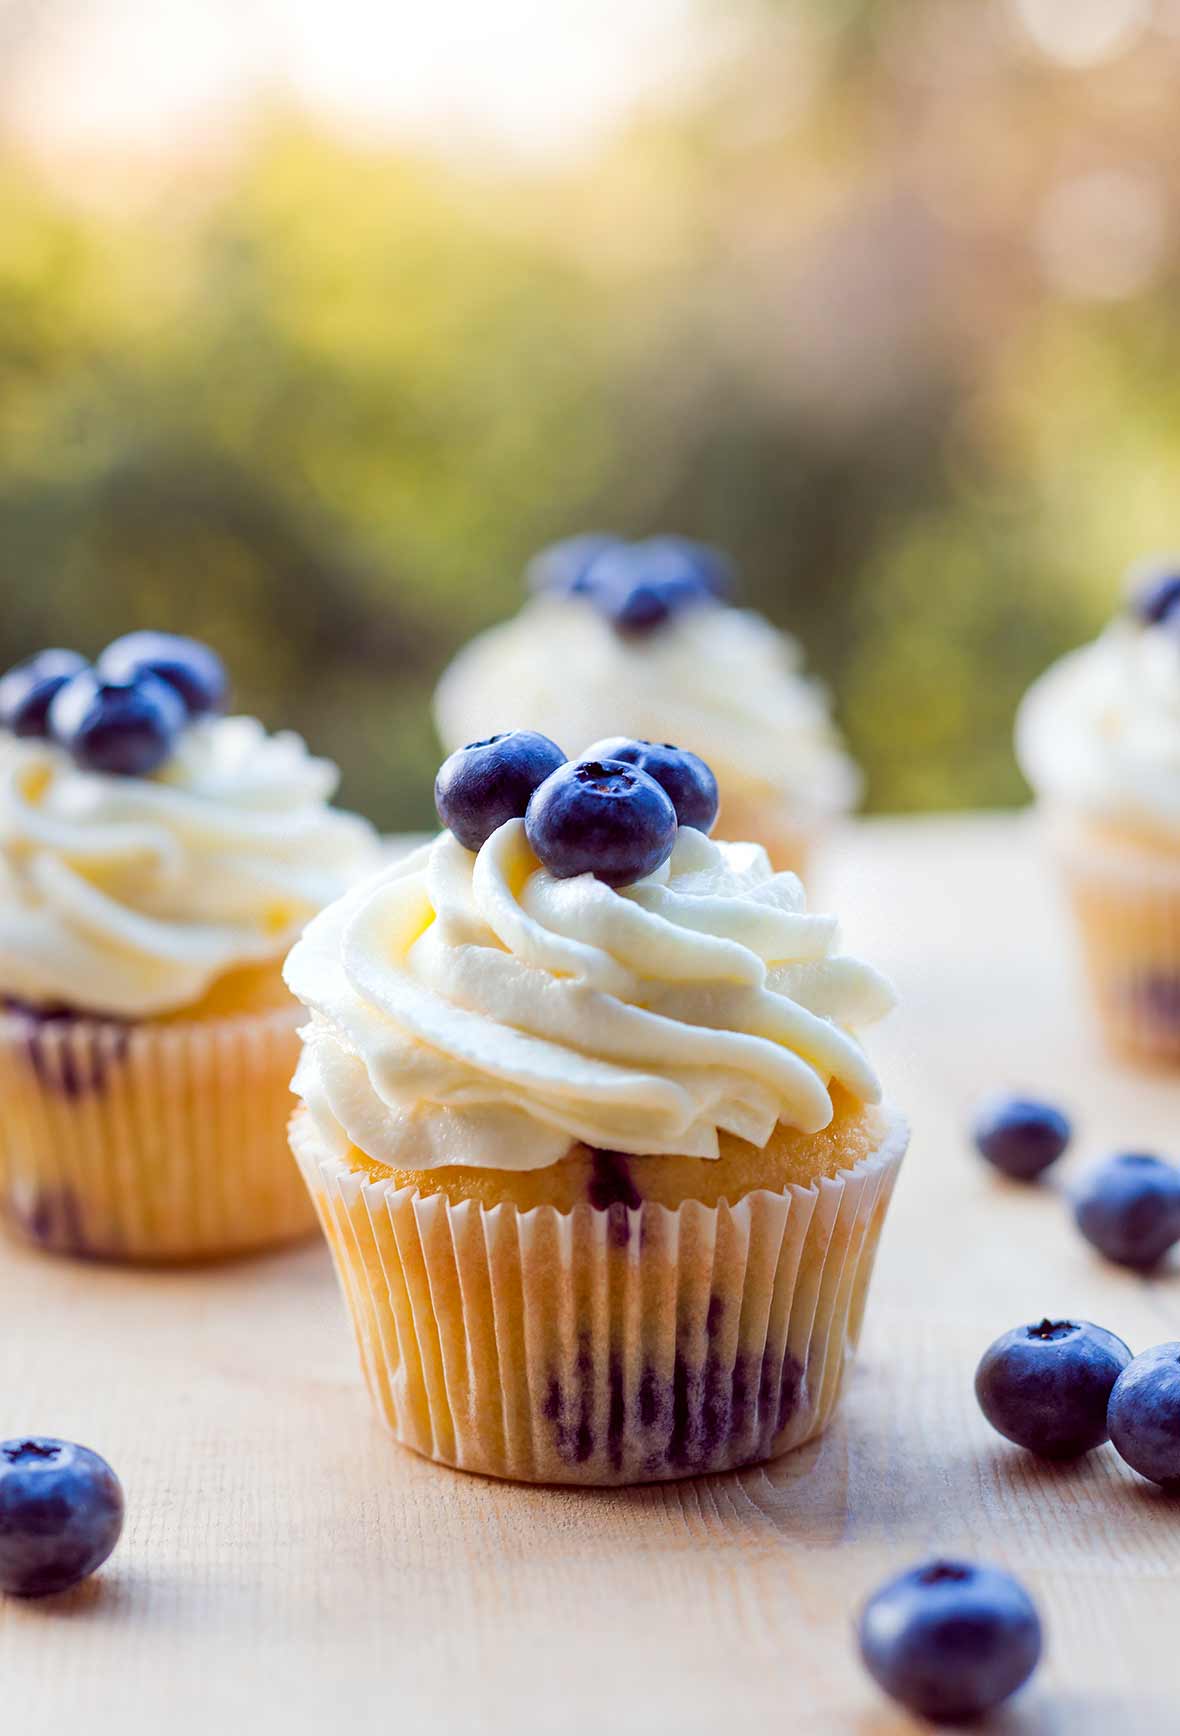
(1099, 733)
(473, 1009)
(132, 896)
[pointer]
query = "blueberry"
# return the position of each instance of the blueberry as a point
(61, 1512)
(127, 728)
(711, 566)
(1129, 1208)
(601, 817)
(27, 691)
(640, 586)
(1046, 1386)
(1157, 597)
(687, 780)
(563, 569)
(1019, 1135)
(1144, 1415)
(488, 782)
(950, 1639)
(196, 672)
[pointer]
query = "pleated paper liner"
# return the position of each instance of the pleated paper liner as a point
(150, 1142)
(604, 1347)
(1126, 905)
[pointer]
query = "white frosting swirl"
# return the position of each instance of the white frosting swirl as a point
(1099, 732)
(473, 1009)
(721, 682)
(131, 896)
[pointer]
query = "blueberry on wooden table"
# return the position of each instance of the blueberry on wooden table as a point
(949, 1639)
(601, 817)
(1129, 1209)
(482, 786)
(683, 776)
(1144, 1415)
(192, 669)
(126, 728)
(28, 690)
(1020, 1136)
(61, 1512)
(1045, 1386)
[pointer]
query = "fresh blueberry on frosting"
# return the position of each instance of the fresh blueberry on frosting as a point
(194, 670)
(124, 728)
(708, 565)
(601, 817)
(28, 690)
(684, 776)
(488, 782)
(1155, 593)
(563, 569)
(640, 586)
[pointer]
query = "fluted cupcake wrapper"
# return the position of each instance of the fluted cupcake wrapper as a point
(600, 1347)
(1126, 905)
(149, 1142)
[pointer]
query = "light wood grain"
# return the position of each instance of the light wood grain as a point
(287, 1568)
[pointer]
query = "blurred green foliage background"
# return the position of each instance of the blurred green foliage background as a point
(886, 305)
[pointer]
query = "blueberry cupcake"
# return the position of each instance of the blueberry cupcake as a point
(1098, 738)
(157, 859)
(598, 1152)
(641, 638)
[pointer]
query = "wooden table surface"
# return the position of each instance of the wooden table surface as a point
(286, 1567)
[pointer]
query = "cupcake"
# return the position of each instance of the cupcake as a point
(157, 859)
(1098, 738)
(599, 1156)
(641, 638)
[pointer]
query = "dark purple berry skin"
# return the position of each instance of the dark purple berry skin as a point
(563, 569)
(61, 1512)
(1020, 1136)
(194, 670)
(1129, 1208)
(604, 818)
(640, 586)
(708, 565)
(1157, 598)
(685, 777)
(1046, 1385)
(124, 728)
(950, 1640)
(1144, 1415)
(481, 786)
(28, 690)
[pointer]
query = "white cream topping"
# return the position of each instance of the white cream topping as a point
(131, 896)
(1100, 731)
(722, 682)
(473, 1009)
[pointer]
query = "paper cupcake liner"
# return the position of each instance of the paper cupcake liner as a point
(603, 1347)
(1126, 905)
(149, 1142)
